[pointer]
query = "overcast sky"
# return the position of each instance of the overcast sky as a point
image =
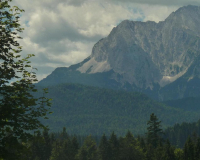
(62, 32)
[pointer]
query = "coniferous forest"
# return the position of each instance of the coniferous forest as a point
(92, 110)
(155, 144)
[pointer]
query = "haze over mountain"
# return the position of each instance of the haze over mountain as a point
(159, 59)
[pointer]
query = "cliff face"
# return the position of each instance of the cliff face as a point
(145, 54)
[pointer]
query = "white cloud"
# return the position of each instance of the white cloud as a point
(157, 13)
(161, 2)
(95, 18)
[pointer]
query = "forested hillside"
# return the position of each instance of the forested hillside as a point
(151, 146)
(187, 104)
(91, 110)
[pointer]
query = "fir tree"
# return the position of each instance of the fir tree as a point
(104, 148)
(197, 150)
(114, 147)
(89, 150)
(189, 150)
(154, 131)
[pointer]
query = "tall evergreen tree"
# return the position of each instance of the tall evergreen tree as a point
(168, 152)
(130, 149)
(114, 147)
(197, 150)
(57, 153)
(104, 148)
(189, 150)
(37, 146)
(154, 131)
(74, 147)
(89, 150)
(47, 145)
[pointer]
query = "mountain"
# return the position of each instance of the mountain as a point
(88, 110)
(186, 104)
(159, 59)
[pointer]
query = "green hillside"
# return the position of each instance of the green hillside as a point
(187, 104)
(91, 110)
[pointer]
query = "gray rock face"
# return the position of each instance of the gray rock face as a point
(161, 59)
(146, 53)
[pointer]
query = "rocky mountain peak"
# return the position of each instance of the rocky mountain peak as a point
(186, 17)
(146, 55)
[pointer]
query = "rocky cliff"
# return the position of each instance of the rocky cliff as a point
(143, 56)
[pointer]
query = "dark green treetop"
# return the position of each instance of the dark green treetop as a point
(154, 131)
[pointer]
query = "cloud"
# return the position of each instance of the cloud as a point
(94, 18)
(161, 2)
(156, 13)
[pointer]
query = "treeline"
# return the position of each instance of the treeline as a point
(67, 147)
(178, 134)
(151, 146)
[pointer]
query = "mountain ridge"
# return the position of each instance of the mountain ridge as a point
(146, 56)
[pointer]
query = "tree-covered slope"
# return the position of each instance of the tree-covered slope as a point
(187, 104)
(91, 110)
(179, 133)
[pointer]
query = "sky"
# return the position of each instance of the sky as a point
(62, 32)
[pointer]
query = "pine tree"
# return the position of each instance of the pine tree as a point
(114, 147)
(154, 131)
(74, 148)
(47, 145)
(189, 150)
(168, 152)
(57, 151)
(89, 150)
(130, 149)
(197, 150)
(37, 146)
(104, 148)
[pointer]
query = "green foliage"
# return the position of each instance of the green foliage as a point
(104, 148)
(187, 104)
(114, 147)
(19, 110)
(90, 110)
(189, 150)
(179, 133)
(154, 131)
(130, 148)
(168, 152)
(178, 153)
(66, 147)
(89, 150)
